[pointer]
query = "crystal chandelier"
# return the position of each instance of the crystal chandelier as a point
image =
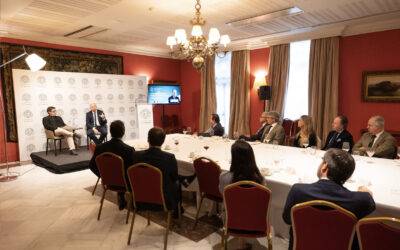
(196, 48)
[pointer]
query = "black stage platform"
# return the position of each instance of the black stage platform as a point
(63, 162)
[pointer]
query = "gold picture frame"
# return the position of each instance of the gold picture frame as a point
(381, 86)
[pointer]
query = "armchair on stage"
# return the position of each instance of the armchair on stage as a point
(51, 136)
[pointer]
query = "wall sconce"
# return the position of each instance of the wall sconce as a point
(260, 83)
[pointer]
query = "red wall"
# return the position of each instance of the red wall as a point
(367, 52)
(258, 62)
(154, 68)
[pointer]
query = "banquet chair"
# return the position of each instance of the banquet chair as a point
(112, 172)
(51, 136)
(379, 233)
(287, 126)
(208, 173)
(146, 185)
(246, 206)
(322, 225)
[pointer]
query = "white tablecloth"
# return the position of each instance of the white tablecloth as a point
(288, 165)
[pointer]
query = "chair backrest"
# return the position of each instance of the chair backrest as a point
(380, 233)
(208, 173)
(295, 128)
(287, 126)
(246, 205)
(322, 225)
(49, 134)
(146, 182)
(111, 168)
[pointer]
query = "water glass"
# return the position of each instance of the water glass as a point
(370, 152)
(346, 146)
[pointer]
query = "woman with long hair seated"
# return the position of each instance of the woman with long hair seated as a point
(306, 137)
(243, 166)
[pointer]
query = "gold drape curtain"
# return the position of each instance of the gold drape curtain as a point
(239, 117)
(208, 100)
(278, 76)
(323, 83)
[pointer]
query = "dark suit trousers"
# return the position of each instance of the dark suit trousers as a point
(103, 134)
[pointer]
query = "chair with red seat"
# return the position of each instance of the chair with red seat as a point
(322, 225)
(208, 173)
(246, 206)
(111, 168)
(287, 125)
(380, 233)
(146, 183)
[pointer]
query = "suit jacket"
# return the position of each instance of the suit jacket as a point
(217, 130)
(52, 122)
(332, 142)
(312, 140)
(116, 146)
(168, 165)
(258, 136)
(276, 135)
(90, 119)
(359, 203)
(384, 146)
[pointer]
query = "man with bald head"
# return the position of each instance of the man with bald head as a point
(381, 142)
(96, 124)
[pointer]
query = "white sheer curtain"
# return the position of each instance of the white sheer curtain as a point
(297, 93)
(223, 88)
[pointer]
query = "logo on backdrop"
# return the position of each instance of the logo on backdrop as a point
(85, 82)
(42, 81)
(30, 148)
(120, 83)
(43, 112)
(86, 97)
(145, 114)
(121, 97)
(42, 97)
(109, 83)
(132, 109)
(29, 131)
(98, 83)
(111, 110)
(57, 80)
(28, 114)
(131, 97)
(98, 97)
(141, 98)
(73, 112)
(110, 97)
(72, 97)
(59, 97)
(121, 110)
(131, 83)
(140, 83)
(60, 112)
(71, 82)
(25, 79)
(132, 123)
(133, 135)
(26, 97)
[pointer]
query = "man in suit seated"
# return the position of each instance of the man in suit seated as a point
(216, 128)
(377, 139)
(259, 135)
(274, 133)
(339, 134)
(336, 168)
(168, 165)
(118, 147)
(56, 124)
(96, 123)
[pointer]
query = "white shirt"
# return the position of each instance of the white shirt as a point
(377, 136)
(270, 129)
(95, 119)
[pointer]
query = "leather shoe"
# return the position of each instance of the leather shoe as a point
(121, 202)
(72, 152)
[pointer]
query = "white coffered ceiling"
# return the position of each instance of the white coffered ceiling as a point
(141, 26)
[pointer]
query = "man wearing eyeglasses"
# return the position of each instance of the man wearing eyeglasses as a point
(55, 123)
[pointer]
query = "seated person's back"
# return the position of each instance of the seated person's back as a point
(243, 166)
(336, 168)
(164, 161)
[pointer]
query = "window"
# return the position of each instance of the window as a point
(223, 88)
(296, 103)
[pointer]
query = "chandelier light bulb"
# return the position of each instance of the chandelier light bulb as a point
(180, 35)
(171, 41)
(225, 40)
(213, 36)
(197, 31)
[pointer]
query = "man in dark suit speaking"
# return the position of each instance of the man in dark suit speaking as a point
(336, 168)
(174, 98)
(96, 124)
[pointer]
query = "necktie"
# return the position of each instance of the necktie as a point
(371, 143)
(94, 118)
(266, 131)
(333, 138)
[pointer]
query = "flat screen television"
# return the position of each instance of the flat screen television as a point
(159, 93)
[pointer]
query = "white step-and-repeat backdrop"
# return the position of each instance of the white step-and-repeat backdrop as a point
(71, 93)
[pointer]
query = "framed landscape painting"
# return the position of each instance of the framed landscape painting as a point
(381, 86)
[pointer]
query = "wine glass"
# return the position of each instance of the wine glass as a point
(189, 130)
(184, 131)
(346, 146)
(370, 152)
(398, 155)
(305, 145)
(206, 147)
(176, 142)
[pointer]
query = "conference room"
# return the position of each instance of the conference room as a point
(208, 124)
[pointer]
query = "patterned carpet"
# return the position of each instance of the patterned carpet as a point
(206, 225)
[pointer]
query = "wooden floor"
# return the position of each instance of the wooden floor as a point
(41, 210)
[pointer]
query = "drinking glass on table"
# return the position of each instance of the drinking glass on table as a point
(176, 142)
(370, 152)
(346, 146)
(398, 155)
(189, 130)
(184, 131)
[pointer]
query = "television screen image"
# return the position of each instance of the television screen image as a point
(164, 94)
